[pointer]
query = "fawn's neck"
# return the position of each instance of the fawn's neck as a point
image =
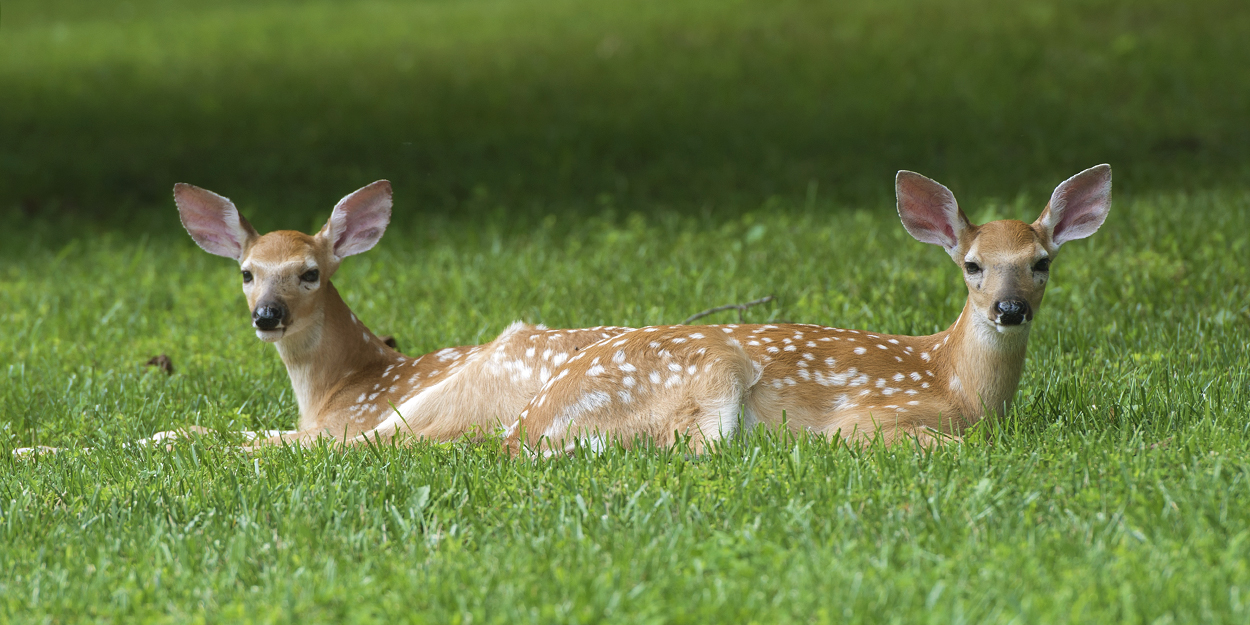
(984, 364)
(321, 357)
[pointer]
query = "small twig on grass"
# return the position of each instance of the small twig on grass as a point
(741, 308)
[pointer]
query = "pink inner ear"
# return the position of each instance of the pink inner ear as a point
(360, 219)
(1079, 205)
(364, 230)
(1076, 222)
(928, 210)
(212, 221)
(939, 226)
(212, 233)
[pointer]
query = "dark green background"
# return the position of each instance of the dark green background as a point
(531, 108)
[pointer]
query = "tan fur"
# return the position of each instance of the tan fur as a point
(349, 385)
(476, 388)
(704, 381)
(619, 384)
(653, 382)
(711, 379)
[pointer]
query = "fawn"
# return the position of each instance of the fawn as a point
(350, 385)
(707, 382)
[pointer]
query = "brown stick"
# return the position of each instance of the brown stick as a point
(739, 307)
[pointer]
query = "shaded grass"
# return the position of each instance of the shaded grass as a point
(553, 105)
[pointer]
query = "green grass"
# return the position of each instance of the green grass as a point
(534, 103)
(626, 164)
(1118, 489)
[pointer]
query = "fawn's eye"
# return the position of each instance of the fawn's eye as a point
(247, 277)
(310, 276)
(972, 268)
(1042, 265)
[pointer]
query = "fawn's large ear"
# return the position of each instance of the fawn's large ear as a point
(929, 211)
(213, 221)
(359, 220)
(1078, 206)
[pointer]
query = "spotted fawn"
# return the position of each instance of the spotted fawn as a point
(349, 384)
(708, 382)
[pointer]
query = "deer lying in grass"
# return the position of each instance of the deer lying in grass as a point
(349, 384)
(706, 382)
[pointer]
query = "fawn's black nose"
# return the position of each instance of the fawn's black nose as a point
(268, 316)
(1013, 312)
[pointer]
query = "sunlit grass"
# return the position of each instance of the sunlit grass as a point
(1122, 469)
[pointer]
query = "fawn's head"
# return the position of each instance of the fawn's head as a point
(285, 273)
(1005, 263)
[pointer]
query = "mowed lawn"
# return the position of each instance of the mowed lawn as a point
(628, 164)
